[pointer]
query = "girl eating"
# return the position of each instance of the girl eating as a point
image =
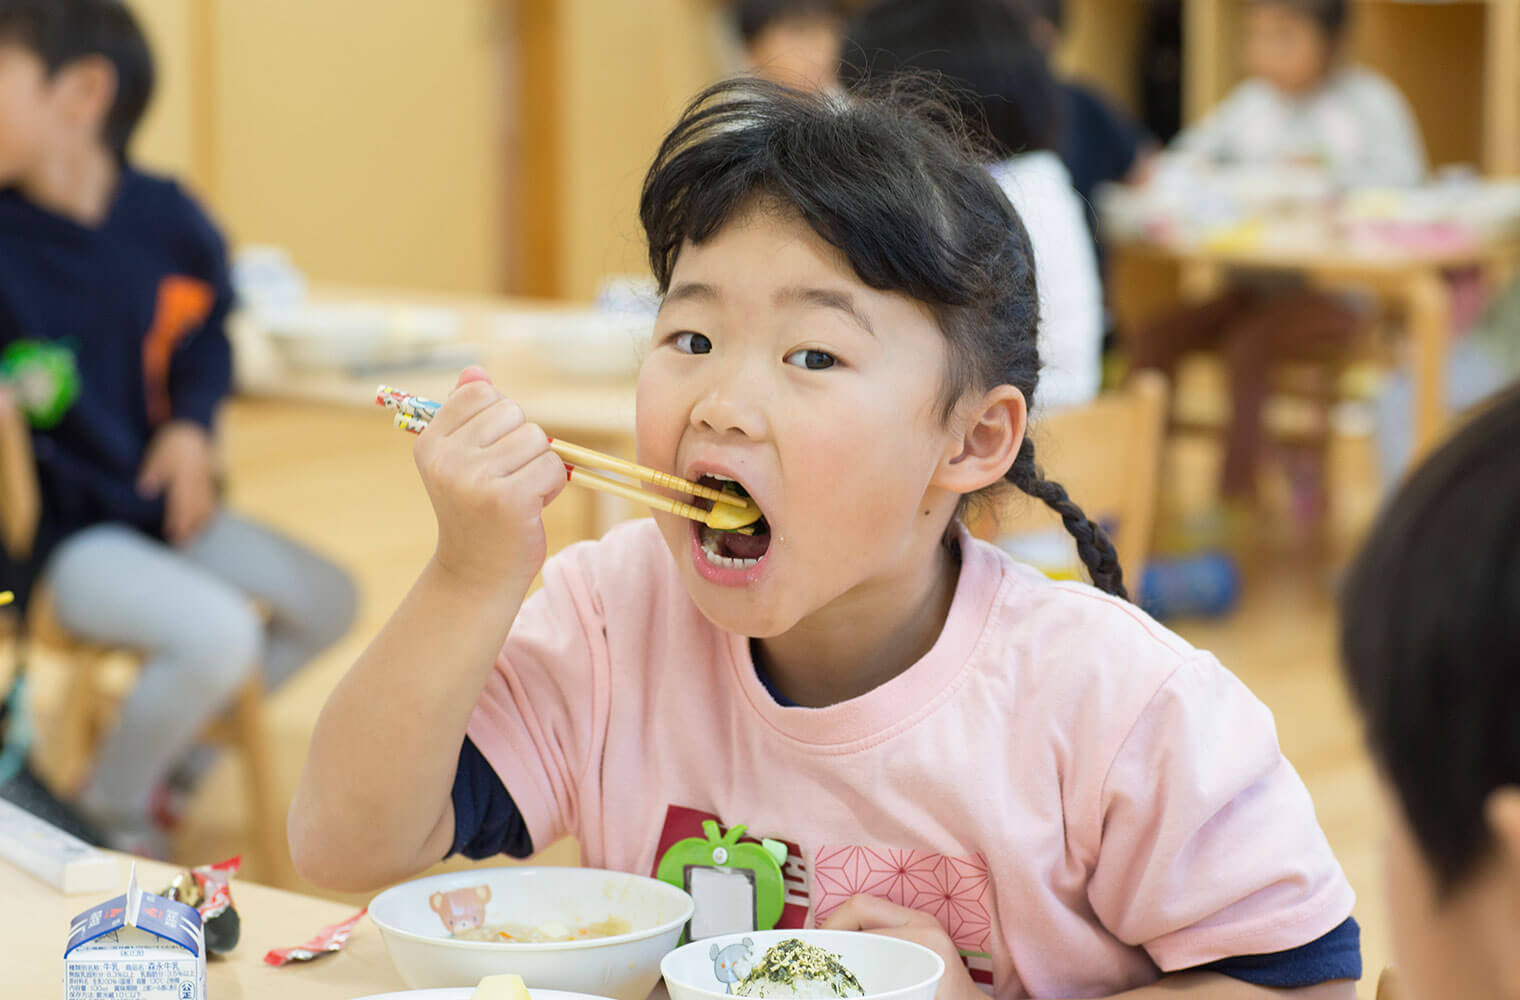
(925, 738)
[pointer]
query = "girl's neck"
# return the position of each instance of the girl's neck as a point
(867, 637)
(78, 186)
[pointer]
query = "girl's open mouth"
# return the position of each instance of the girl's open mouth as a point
(742, 549)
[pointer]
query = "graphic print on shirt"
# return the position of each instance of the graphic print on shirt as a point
(183, 305)
(955, 891)
(727, 872)
(739, 883)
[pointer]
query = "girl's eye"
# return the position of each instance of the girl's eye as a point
(693, 343)
(810, 359)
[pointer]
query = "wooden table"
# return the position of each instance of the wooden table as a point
(34, 924)
(1415, 281)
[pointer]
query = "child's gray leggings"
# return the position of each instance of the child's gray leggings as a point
(204, 617)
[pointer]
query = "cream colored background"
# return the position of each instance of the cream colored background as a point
(498, 145)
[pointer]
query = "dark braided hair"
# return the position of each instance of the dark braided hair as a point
(889, 176)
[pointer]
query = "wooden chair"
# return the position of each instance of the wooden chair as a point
(1108, 456)
(90, 702)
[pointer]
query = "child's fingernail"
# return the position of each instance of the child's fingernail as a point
(474, 373)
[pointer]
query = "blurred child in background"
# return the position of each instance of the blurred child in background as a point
(1100, 144)
(795, 42)
(983, 51)
(134, 542)
(1302, 106)
(1431, 644)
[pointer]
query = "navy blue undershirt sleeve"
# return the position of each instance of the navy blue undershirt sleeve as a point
(486, 820)
(1337, 955)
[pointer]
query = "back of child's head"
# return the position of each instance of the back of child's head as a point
(984, 54)
(1431, 639)
(1052, 12)
(889, 177)
(62, 32)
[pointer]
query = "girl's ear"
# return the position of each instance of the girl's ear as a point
(992, 431)
(88, 89)
(1502, 812)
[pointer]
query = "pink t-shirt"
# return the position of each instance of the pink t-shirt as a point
(1082, 798)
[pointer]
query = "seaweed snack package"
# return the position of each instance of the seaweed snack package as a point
(209, 889)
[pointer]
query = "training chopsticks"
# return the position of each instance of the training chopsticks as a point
(414, 413)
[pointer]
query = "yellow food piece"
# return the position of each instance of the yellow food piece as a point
(725, 517)
(506, 987)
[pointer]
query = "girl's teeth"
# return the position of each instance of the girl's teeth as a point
(714, 557)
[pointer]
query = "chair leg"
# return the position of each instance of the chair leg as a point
(265, 815)
(77, 729)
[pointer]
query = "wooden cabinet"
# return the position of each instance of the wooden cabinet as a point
(365, 136)
(466, 145)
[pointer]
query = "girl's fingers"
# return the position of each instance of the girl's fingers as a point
(546, 477)
(472, 373)
(468, 399)
(869, 913)
(514, 451)
(490, 424)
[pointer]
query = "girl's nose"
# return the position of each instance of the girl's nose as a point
(733, 404)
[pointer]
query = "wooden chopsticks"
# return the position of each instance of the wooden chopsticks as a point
(729, 513)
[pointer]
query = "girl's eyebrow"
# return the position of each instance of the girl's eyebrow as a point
(691, 291)
(826, 298)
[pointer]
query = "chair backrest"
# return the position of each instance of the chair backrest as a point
(1108, 456)
(20, 499)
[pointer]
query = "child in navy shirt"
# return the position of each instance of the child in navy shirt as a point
(133, 541)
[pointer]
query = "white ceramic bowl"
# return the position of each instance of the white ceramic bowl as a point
(888, 968)
(464, 993)
(324, 336)
(624, 967)
(579, 343)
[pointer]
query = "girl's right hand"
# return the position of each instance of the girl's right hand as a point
(488, 473)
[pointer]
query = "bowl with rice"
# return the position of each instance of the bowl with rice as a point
(803, 965)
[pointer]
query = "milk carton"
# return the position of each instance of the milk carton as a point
(137, 946)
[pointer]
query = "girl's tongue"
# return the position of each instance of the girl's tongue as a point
(737, 546)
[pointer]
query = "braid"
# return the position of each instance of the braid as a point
(1093, 545)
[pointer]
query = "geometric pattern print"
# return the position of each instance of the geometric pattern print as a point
(954, 890)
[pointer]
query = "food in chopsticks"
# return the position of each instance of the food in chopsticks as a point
(796, 969)
(728, 508)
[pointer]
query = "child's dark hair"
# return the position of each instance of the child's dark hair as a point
(890, 180)
(1333, 16)
(981, 51)
(755, 16)
(62, 32)
(1431, 638)
(1053, 11)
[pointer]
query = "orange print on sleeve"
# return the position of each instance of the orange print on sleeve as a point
(183, 304)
